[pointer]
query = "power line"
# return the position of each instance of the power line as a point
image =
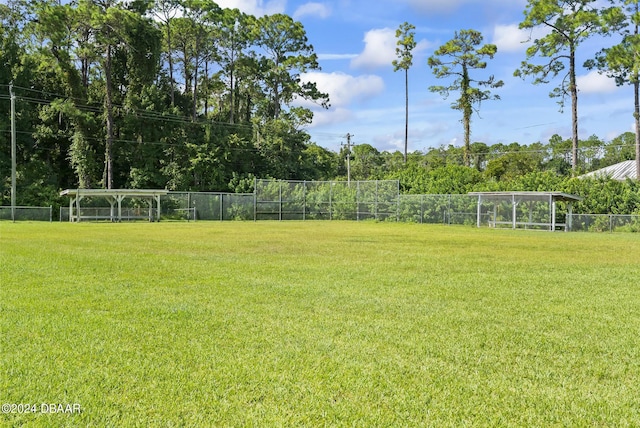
(147, 114)
(535, 126)
(138, 143)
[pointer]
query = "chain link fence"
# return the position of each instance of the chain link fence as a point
(605, 223)
(326, 200)
(438, 209)
(331, 200)
(207, 206)
(26, 213)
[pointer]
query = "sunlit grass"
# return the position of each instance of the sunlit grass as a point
(327, 323)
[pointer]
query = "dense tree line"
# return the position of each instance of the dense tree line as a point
(184, 95)
(172, 94)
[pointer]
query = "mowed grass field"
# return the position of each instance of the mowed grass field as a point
(318, 324)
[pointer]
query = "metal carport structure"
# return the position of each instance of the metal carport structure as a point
(531, 216)
(115, 198)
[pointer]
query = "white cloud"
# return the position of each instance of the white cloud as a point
(332, 117)
(510, 38)
(318, 10)
(595, 83)
(422, 46)
(344, 89)
(379, 49)
(255, 7)
(389, 142)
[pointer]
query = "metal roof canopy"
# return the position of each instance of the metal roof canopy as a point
(516, 198)
(115, 198)
(620, 171)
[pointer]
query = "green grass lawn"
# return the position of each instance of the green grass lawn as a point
(318, 324)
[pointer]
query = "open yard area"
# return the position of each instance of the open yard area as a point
(317, 324)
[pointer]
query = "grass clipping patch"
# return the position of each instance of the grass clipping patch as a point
(328, 323)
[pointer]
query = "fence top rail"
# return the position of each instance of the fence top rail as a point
(176, 192)
(266, 180)
(115, 192)
(22, 207)
(605, 215)
(558, 196)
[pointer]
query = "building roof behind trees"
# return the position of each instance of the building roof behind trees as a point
(620, 171)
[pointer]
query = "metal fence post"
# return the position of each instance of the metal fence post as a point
(397, 207)
(331, 200)
(377, 200)
(280, 204)
(358, 200)
(221, 207)
(255, 199)
(610, 223)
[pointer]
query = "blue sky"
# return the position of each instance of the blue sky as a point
(355, 41)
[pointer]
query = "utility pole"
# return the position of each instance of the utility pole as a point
(13, 152)
(349, 159)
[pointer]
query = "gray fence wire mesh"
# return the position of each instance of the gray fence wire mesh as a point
(605, 223)
(438, 209)
(26, 213)
(208, 206)
(326, 200)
